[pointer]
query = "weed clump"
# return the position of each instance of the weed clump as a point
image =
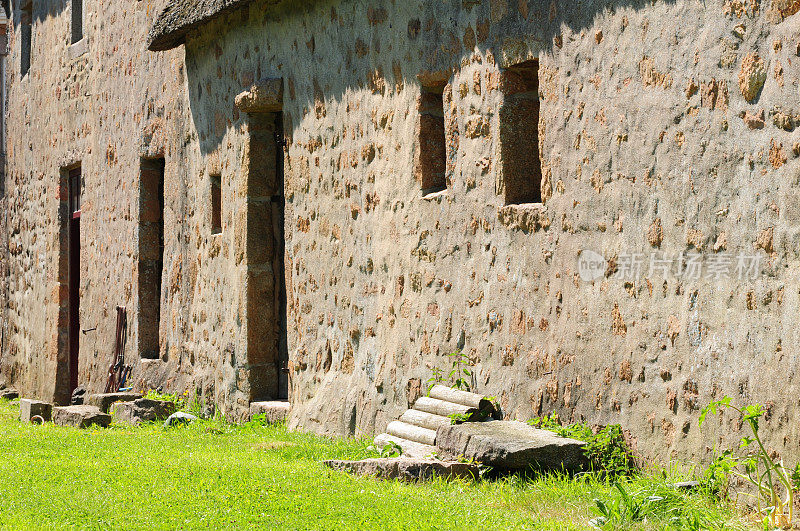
(774, 483)
(608, 453)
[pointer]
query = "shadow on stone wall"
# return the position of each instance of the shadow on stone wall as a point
(438, 32)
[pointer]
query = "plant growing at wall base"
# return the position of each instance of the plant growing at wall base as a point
(716, 478)
(178, 400)
(461, 418)
(459, 376)
(776, 486)
(460, 372)
(606, 449)
(656, 504)
(437, 378)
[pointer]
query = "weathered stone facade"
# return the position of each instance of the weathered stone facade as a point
(103, 104)
(664, 127)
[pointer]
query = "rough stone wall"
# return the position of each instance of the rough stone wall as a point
(651, 138)
(102, 103)
(654, 132)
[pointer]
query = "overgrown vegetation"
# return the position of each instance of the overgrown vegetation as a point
(193, 404)
(656, 503)
(642, 498)
(608, 454)
(774, 483)
(211, 474)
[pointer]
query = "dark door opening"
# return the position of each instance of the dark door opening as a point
(74, 275)
(279, 263)
(267, 344)
(151, 255)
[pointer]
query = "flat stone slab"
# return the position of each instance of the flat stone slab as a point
(142, 410)
(410, 449)
(509, 445)
(9, 394)
(104, 401)
(28, 409)
(80, 416)
(179, 419)
(406, 469)
(275, 411)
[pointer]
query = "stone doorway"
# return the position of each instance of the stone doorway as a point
(74, 275)
(267, 344)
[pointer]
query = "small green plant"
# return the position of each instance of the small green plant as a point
(776, 486)
(178, 400)
(716, 478)
(622, 510)
(608, 454)
(459, 377)
(473, 416)
(459, 418)
(256, 421)
(436, 379)
(460, 373)
(655, 503)
(391, 449)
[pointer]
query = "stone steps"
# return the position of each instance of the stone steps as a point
(415, 431)
(424, 420)
(440, 407)
(274, 411)
(411, 432)
(410, 448)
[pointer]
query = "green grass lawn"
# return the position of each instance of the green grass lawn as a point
(212, 475)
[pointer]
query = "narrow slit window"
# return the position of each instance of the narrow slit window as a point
(431, 164)
(151, 255)
(216, 204)
(77, 20)
(519, 134)
(26, 37)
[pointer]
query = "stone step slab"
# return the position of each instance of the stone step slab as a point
(28, 409)
(180, 419)
(510, 445)
(458, 396)
(415, 432)
(275, 411)
(9, 394)
(442, 408)
(411, 433)
(406, 469)
(80, 416)
(424, 420)
(104, 401)
(410, 448)
(142, 410)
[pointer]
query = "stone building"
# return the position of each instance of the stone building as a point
(596, 202)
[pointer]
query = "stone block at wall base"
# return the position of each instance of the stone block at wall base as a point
(142, 410)
(80, 416)
(274, 411)
(104, 401)
(407, 469)
(29, 409)
(506, 445)
(9, 394)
